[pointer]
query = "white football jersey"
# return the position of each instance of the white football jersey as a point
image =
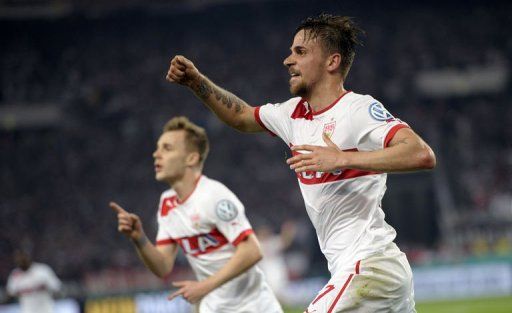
(34, 288)
(207, 226)
(345, 205)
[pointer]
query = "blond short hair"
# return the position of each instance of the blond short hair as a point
(195, 138)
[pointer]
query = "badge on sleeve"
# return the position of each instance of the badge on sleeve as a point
(226, 210)
(378, 112)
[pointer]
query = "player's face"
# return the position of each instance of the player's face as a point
(306, 64)
(170, 156)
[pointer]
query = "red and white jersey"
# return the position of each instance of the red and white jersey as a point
(208, 225)
(34, 288)
(345, 205)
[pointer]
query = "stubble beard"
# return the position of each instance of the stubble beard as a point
(300, 90)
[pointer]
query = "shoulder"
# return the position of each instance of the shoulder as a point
(288, 105)
(356, 100)
(214, 189)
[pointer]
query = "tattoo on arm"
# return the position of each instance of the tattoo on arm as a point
(204, 89)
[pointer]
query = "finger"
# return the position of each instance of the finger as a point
(172, 78)
(302, 163)
(298, 158)
(116, 207)
(177, 72)
(184, 61)
(303, 147)
(328, 141)
(175, 294)
(306, 168)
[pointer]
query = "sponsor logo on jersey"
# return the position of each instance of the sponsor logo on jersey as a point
(378, 112)
(226, 210)
(313, 178)
(202, 243)
(168, 204)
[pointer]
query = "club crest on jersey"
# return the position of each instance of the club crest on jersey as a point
(226, 210)
(378, 112)
(329, 128)
(168, 204)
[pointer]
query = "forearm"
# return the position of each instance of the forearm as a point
(228, 107)
(398, 158)
(244, 258)
(152, 258)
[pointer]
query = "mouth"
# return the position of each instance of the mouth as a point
(158, 168)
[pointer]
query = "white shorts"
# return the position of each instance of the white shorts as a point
(380, 283)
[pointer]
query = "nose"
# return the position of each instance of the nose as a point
(288, 61)
(155, 154)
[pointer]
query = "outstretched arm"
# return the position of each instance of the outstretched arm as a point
(247, 254)
(160, 259)
(228, 107)
(406, 152)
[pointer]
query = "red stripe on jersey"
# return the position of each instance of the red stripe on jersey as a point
(258, 119)
(357, 266)
(340, 293)
(313, 178)
(202, 243)
(165, 242)
(30, 290)
(242, 236)
(392, 133)
(331, 105)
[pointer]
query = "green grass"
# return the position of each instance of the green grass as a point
(488, 305)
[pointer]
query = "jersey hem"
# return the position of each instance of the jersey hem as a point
(260, 122)
(242, 236)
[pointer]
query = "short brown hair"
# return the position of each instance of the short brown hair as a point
(195, 138)
(337, 34)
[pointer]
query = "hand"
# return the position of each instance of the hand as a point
(182, 71)
(319, 159)
(128, 223)
(192, 291)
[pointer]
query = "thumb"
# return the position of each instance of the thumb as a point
(184, 61)
(328, 141)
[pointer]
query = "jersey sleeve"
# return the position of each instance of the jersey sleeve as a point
(52, 281)
(228, 215)
(275, 118)
(372, 126)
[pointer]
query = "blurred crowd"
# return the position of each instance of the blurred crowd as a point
(106, 76)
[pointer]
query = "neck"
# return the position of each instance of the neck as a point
(324, 95)
(186, 185)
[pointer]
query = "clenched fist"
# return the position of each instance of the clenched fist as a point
(182, 71)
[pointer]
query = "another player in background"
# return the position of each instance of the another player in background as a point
(274, 263)
(208, 222)
(34, 284)
(343, 144)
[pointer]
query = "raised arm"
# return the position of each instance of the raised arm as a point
(405, 152)
(158, 259)
(229, 108)
(247, 254)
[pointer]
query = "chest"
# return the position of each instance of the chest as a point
(185, 220)
(336, 125)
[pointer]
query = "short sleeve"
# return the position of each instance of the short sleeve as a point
(275, 118)
(228, 215)
(372, 125)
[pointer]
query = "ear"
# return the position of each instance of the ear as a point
(334, 62)
(193, 159)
